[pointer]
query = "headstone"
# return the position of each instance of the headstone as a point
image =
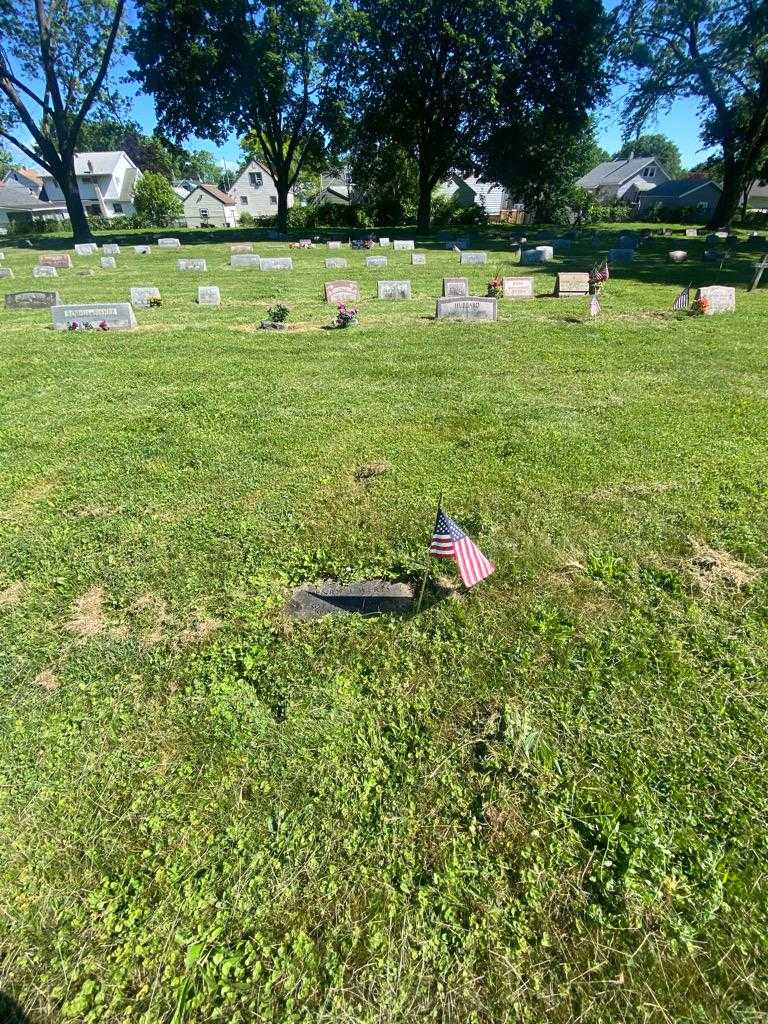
(721, 299)
(713, 256)
(568, 285)
(474, 257)
(110, 249)
(86, 249)
(418, 259)
(200, 265)
(517, 287)
(245, 259)
(678, 255)
(455, 287)
(376, 261)
(140, 296)
(721, 234)
(88, 272)
(394, 289)
(466, 309)
(6, 272)
(168, 243)
(691, 232)
(400, 245)
(62, 260)
(240, 249)
(384, 241)
(277, 263)
(548, 250)
(31, 300)
(108, 262)
(142, 250)
(44, 272)
(342, 291)
(118, 315)
(369, 597)
(335, 263)
(208, 295)
(530, 257)
(334, 245)
(2, 255)
(457, 243)
(563, 243)
(621, 255)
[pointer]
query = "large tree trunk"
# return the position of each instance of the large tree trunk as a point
(728, 203)
(282, 206)
(424, 211)
(67, 182)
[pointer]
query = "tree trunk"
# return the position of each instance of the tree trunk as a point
(424, 211)
(745, 199)
(282, 206)
(67, 182)
(728, 203)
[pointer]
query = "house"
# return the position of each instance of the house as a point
(206, 205)
(19, 205)
(106, 182)
(680, 194)
(757, 199)
(27, 178)
(467, 192)
(255, 192)
(623, 180)
(334, 191)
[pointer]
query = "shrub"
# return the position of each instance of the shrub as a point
(247, 220)
(156, 202)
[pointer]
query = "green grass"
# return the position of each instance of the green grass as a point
(543, 801)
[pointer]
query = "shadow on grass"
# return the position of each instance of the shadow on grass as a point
(11, 1012)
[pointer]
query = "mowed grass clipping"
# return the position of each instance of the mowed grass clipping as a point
(541, 801)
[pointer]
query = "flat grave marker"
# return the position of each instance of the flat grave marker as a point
(466, 309)
(570, 285)
(245, 260)
(118, 315)
(479, 258)
(517, 287)
(335, 263)
(393, 289)
(140, 296)
(142, 250)
(6, 272)
(208, 295)
(169, 243)
(455, 287)
(721, 299)
(32, 300)
(418, 259)
(276, 263)
(44, 271)
(376, 261)
(197, 265)
(342, 291)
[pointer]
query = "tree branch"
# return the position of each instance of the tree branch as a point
(102, 73)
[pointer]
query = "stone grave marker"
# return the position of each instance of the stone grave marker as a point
(691, 232)
(86, 248)
(384, 241)
(335, 263)
(563, 243)
(62, 260)
(376, 261)
(32, 300)
(678, 255)
(530, 257)
(569, 285)
(140, 296)
(2, 255)
(88, 272)
(199, 265)
(169, 243)
(466, 309)
(721, 299)
(208, 295)
(517, 287)
(479, 258)
(401, 245)
(142, 250)
(6, 272)
(394, 289)
(108, 262)
(418, 259)
(721, 234)
(246, 260)
(276, 263)
(621, 255)
(455, 287)
(370, 597)
(118, 315)
(240, 249)
(44, 272)
(110, 249)
(333, 245)
(713, 256)
(342, 291)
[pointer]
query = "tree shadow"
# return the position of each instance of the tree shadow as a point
(11, 1012)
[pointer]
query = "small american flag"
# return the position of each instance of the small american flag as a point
(594, 306)
(683, 300)
(450, 541)
(601, 274)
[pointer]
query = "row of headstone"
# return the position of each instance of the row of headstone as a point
(453, 288)
(251, 261)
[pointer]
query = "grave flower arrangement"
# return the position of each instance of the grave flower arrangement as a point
(599, 276)
(699, 306)
(86, 325)
(346, 316)
(495, 287)
(155, 301)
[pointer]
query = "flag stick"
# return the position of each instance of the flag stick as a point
(426, 571)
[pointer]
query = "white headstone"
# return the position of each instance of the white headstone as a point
(394, 289)
(86, 248)
(418, 259)
(334, 245)
(335, 263)
(376, 261)
(466, 309)
(110, 249)
(678, 256)
(243, 259)
(455, 287)
(208, 295)
(721, 299)
(401, 245)
(6, 272)
(277, 263)
(118, 315)
(108, 262)
(44, 272)
(199, 265)
(474, 257)
(517, 287)
(142, 250)
(384, 241)
(140, 296)
(168, 243)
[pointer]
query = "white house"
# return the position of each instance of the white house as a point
(106, 182)
(208, 205)
(20, 205)
(254, 191)
(466, 192)
(624, 180)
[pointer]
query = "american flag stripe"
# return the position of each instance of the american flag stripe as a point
(450, 541)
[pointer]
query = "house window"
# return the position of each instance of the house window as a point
(649, 172)
(203, 214)
(94, 209)
(703, 205)
(244, 200)
(256, 179)
(117, 207)
(273, 200)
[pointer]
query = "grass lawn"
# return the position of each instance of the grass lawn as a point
(540, 801)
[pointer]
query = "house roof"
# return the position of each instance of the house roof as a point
(27, 172)
(97, 163)
(17, 198)
(614, 172)
(680, 187)
(215, 193)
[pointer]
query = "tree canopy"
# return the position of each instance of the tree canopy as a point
(654, 144)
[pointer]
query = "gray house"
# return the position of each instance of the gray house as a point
(19, 205)
(624, 180)
(255, 192)
(207, 206)
(681, 194)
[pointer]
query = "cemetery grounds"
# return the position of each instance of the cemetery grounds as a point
(543, 800)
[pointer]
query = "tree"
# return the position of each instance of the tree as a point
(256, 66)
(200, 165)
(68, 52)
(654, 144)
(712, 168)
(155, 201)
(7, 163)
(386, 179)
(713, 50)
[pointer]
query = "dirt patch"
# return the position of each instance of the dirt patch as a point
(636, 490)
(153, 611)
(371, 470)
(10, 596)
(88, 617)
(710, 568)
(200, 630)
(46, 680)
(36, 491)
